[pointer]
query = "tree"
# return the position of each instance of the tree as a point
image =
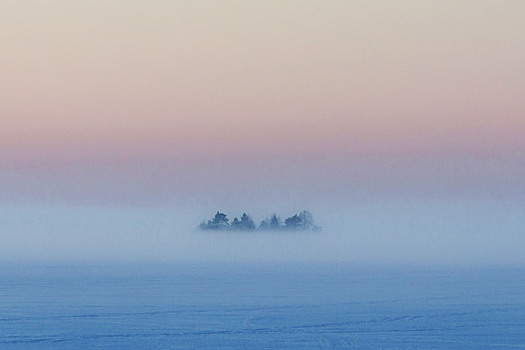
(275, 223)
(264, 225)
(293, 222)
(307, 220)
(236, 224)
(247, 223)
(220, 221)
(302, 221)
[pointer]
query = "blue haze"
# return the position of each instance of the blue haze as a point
(384, 231)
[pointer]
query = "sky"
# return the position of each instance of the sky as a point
(398, 124)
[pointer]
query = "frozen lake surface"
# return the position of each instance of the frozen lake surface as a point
(260, 307)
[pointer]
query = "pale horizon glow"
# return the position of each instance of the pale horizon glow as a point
(207, 105)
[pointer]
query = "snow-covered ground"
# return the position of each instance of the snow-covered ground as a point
(260, 307)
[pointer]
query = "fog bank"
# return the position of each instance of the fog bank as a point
(391, 231)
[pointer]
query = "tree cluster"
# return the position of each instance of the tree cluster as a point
(303, 221)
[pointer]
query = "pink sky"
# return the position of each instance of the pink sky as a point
(160, 88)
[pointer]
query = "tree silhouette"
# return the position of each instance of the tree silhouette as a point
(236, 224)
(307, 220)
(247, 223)
(264, 225)
(275, 223)
(302, 221)
(293, 222)
(220, 219)
(219, 222)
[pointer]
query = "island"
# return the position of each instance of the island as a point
(302, 221)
